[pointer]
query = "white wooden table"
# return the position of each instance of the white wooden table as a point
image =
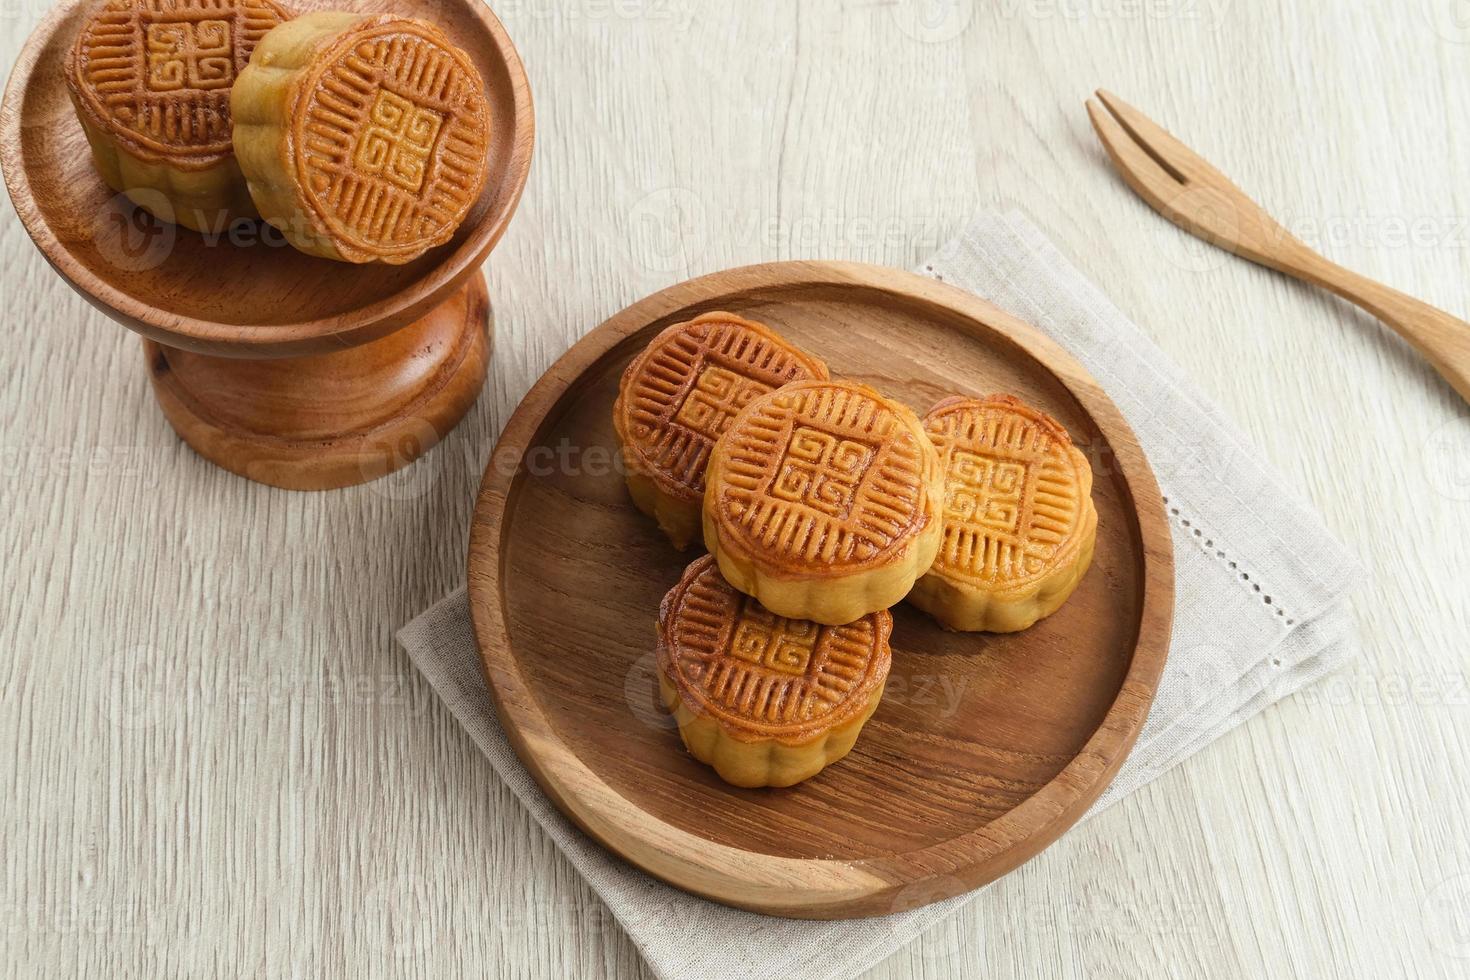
(214, 758)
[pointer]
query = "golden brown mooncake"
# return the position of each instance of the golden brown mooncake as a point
(150, 81)
(1019, 522)
(766, 701)
(678, 396)
(364, 138)
(824, 501)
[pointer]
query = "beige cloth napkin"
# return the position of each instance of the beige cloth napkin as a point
(1259, 612)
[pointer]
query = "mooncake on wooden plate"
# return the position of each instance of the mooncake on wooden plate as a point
(150, 81)
(364, 138)
(824, 501)
(678, 397)
(765, 700)
(1019, 521)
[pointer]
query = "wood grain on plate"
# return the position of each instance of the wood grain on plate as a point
(985, 747)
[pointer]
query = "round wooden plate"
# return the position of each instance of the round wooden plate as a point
(985, 747)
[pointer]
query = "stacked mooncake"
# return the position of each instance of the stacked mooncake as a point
(361, 137)
(822, 504)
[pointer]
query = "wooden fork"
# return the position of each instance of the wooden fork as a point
(1183, 187)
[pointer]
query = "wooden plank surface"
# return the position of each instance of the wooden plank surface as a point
(217, 760)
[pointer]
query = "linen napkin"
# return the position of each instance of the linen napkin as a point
(1259, 612)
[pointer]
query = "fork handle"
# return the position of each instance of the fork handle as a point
(1442, 339)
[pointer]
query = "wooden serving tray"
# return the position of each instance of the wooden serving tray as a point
(292, 370)
(985, 747)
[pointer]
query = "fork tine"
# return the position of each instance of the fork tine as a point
(1159, 143)
(1153, 182)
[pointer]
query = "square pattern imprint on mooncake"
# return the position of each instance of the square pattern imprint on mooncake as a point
(985, 493)
(190, 54)
(822, 471)
(766, 640)
(397, 141)
(717, 396)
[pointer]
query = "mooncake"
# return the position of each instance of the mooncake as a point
(765, 700)
(150, 81)
(1019, 521)
(363, 138)
(678, 396)
(824, 501)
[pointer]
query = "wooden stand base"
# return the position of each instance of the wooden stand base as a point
(331, 420)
